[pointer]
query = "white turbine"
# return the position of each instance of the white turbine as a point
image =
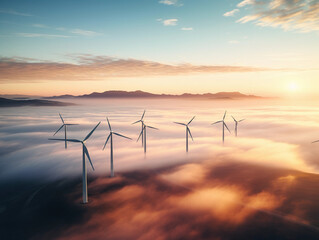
(236, 124)
(224, 125)
(111, 147)
(84, 152)
(142, 123)
(188, 131)
(143, 132)
(64, 125)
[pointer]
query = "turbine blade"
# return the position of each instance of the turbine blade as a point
(234, 118)
(152, 127)
(107, 140)
(58, 130)
(190, 134)
(61, 118)
(70, 124)
(137, 122)
(120, 135)
(224, 115)
(140, 135)
(241, 120)
(216, 122)
(89, 135)
(180, 123)
(191, 120)
(143, 115)
(68, 140)
(227, 127)
(315, 141)
(108, 122)
(87, 154)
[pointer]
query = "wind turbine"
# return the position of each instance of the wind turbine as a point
(111, 148)
(236, 124)
(64, 125)
(84, 152)
(142, 123)
(315, 141)
(188, 131)
(224, 125)
(143, 132)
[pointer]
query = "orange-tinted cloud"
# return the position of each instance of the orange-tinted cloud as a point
(300, 15)
(88, 67)
(149, 205)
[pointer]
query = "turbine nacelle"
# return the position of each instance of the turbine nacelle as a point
(224, 125)
(187, 127)
(236, 124)
(188, 131)
(110, 136)
(63, 124)
(143, 130)
(85, 152)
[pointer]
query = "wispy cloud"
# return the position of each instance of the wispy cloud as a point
(171, 2)
(84, 32)
(76, 31)
(42, 35)
(12, 12)
(89, 67)
(245, 2)
(168, 22)
(297, 15)
(187, 29)
(38, 25)
(231, 13)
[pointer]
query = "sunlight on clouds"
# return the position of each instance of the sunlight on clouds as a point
(171, 2)
(231, 13)
(169, 22)
(245, 2)
(300, 15)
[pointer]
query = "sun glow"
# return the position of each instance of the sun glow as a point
(293, 87)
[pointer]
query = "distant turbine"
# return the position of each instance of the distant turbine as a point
(188, 131)
(224, 125)
(111, 148)
(143, 132)
(84, 152)
(142, 123)
(64, 125)
(236, 124)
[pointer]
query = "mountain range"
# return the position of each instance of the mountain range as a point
(4, 102)
(141, 94)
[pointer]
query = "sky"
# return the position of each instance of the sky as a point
(267, 48)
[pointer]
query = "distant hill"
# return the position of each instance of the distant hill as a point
(141, 94)
(4, 102)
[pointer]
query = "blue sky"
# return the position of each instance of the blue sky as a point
(201, 32)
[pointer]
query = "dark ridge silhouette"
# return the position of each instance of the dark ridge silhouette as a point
(141, 94)
(4, 102)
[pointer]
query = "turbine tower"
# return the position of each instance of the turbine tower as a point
(224, 125)
(111, 147)
(142, 123)
(64, 125)
(84, 170)
(236, 124)
(143, 132)
(188, 131)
